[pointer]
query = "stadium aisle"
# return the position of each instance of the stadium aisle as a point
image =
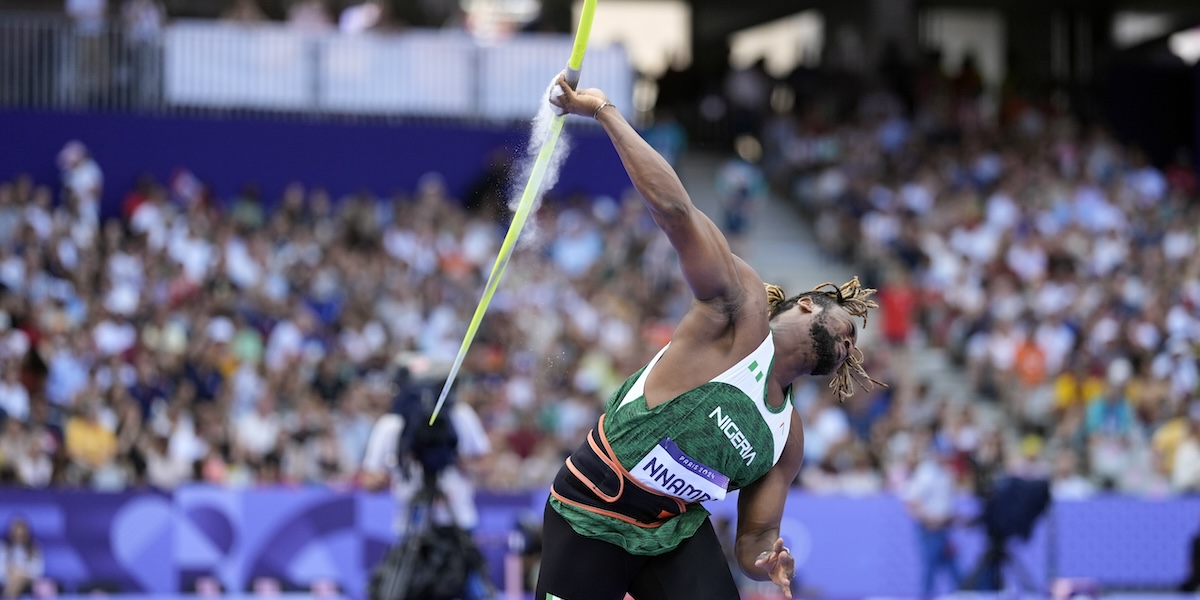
(784, 252)
(782, 248)
(781, 245)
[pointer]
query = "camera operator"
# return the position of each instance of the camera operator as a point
(412, 471)
(1013, 493)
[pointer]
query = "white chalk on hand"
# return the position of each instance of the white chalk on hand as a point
(555, 92)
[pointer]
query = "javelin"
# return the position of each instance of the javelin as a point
(532, 187)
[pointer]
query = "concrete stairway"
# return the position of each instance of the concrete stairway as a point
(783, 250)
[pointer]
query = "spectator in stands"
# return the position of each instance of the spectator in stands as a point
(83, 185)
(164, 470)
(247, 210)
(244, 11)
(747, 91)
(1185, 468)
(743, 190)
(862, 477)
(10, 211)
(21, 560)
(667, 136)
(1067, 482)
(143, 20)
(34, 466)
(371, 15)
(12, 440)
(1169, 434)
(578, 244)
(899, 303)
(929, 497)
(14, 398)
(1109, 427)
(309, 15)
(826, 431)
(89, 442)
(258, 432)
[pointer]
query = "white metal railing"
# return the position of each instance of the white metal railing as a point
(47, 63)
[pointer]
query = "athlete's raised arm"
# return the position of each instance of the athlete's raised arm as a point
(708, 264)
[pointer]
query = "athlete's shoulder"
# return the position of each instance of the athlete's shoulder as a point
(753, 301)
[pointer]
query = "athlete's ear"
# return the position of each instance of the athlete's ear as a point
(806, 304)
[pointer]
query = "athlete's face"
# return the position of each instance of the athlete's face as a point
(833, 338)
(824, 346)
(829, 331)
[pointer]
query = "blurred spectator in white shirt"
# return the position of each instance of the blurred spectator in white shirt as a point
(14, 398)
(1185, 472)
(929, 497)
(82, 180)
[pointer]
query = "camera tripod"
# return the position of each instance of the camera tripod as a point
(408, 574)
(395, 583)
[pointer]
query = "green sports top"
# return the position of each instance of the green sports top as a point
(716, 438)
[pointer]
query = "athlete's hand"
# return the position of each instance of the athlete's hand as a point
(583, 102)
(780, 565)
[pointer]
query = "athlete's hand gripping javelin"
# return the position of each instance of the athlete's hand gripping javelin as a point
(585, 103)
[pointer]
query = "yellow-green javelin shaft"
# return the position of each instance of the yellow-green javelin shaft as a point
(581, 41)
(532, 187)
(510, 241)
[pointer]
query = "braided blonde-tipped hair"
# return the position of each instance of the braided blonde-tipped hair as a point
(775, 297)
(856, 300)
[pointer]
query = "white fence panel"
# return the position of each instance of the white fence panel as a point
(223, 65)
(200, 64)
(515, 75)
(416, 73)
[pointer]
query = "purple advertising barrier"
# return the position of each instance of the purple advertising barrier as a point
(499, 515)
(344, 158)
(152, 543)
(849, 546)
(1126, 542)
(294, 536)
(118, 542)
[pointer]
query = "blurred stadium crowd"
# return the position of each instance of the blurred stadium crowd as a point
(1055, 267)
(251, 341)
(199, 340)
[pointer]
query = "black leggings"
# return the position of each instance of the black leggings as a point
(575, 567)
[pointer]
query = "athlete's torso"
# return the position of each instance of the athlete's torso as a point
(718, 437)
(725, 427)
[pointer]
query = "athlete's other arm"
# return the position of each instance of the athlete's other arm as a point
(759, 549)
(707, 263)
